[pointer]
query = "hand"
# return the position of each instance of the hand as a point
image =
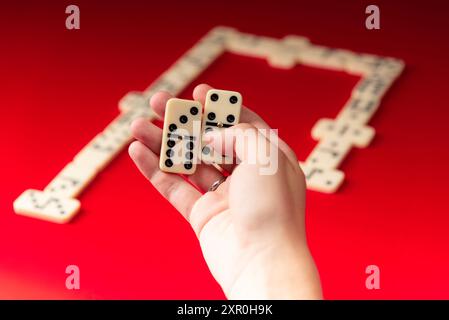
(251, 229)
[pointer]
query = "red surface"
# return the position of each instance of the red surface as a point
(59, 88)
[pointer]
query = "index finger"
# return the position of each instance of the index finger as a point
(158, 102)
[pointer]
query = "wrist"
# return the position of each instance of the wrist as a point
(283, 270)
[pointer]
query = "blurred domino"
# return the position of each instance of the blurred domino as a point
(358, 110)
(46, 206)
(328, 58)
(192, 63)
(251, 45)
(322, 179)
(214, 42)
(357, 135)
(338, 59)
(133, 100)
(390, 68)
(71, 181)
(295, 43)
(275, 52)
(286, 56)
(181, 136)
(107, 144)
(204, 53)
(329, 153)
(363, 64)
(373, 86)
(102, 149)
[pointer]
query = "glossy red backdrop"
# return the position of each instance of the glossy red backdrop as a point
(59, 88)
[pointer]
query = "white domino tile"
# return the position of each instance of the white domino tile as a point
(133, 100)
(390, 68)
(373, 86)
(46, 206)
(181, 136)
(282, 59)
(295, 44)
(251, 45)
(287, 54)
(71, 181)
(103, 148)
(329, 153)
(192, 63)
(358, 110)
(322, 179)
(328, 58)
(221, 110)
(357, 135)
(219, 34)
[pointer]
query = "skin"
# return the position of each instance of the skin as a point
(251, 229)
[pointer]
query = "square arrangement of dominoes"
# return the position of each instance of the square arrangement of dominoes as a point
(336, 137)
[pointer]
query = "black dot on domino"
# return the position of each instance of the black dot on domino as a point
(170, 153)
(194, 111)
(188, 165)
(328, 182)
(206, 150)
(172, 127)
(233, 99)
(168, 163)
(183, 119)
(189, 155)
(171, 143)
(190, 145)
(211, 116)
(214, 97)
(208, 129)
(230, 118)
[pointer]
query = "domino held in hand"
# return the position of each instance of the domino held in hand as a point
(221, 110)
(181, 136)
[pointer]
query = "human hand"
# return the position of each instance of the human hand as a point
(251, 229)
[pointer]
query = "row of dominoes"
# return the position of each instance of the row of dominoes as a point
(336, 137)
(185, 69)
(57, 202)
(292, 50)
(349, 129)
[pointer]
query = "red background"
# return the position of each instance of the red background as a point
(59, 88)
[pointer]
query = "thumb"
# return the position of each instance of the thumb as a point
(244, 143)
